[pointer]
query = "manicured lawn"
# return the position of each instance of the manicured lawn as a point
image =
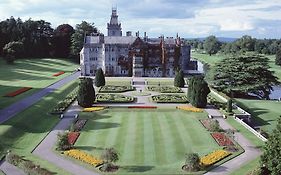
(24, 131)
(35, 73)
(265, 112)
(205, 58)
(149, 141)
(274, 67)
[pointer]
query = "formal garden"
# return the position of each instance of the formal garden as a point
(150, 141)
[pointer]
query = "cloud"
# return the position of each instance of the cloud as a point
(190, 18)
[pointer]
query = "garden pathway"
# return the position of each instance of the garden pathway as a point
(251, 152)
(17, 107)
(45, 149)
(10, 169)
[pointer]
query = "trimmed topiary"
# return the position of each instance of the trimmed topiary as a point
(198, 91)
(179, 79)
(99, 78)
(86, 92)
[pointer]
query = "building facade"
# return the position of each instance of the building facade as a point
(131, 55)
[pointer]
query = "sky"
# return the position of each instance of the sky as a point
(189, 18)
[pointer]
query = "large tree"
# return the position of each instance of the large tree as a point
(12, 51)
(271, 157)
(240, 75)
(278, 57)
(211, 45)
(61, 40)
(77, 38)
(179, 79)
(86, 92)
(198, 91)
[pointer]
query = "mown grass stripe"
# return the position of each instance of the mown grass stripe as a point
(149, 144)
(179, 133)
(158, 141)
(139, 143)
(113, 132)
(169, 137)
(130, 138)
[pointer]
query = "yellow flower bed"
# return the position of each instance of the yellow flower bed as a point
(190, 108)
(214, 157)
(82, 156)
(91, 109)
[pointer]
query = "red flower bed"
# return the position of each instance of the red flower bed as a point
(222, 139)
(143, 107)
(58, 74)
(17, 92)
(72, 137)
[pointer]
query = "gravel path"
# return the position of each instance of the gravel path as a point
(251, 152)
(10, 169)
(12, 110)
(45, 149)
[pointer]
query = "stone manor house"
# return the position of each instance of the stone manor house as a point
(131, 55)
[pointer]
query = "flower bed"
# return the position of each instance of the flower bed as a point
(214, 157)
(72, 137)
(211, 125)
(143, 107)
(58, 74)
(17, 92)
(84, 157)
(114, 98)
(92, 109)
(79, 124)
(169, 98)
(222, 139)
(62, 105)
(189, 108)
(165, 89)
(115, 89)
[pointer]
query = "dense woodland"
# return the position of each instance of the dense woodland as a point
(35, 39)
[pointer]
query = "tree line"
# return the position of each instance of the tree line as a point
(37, 39)
(212, 45)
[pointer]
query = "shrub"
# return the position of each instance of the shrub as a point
(192, 162)
(64, 104)
(169, 98)
(86, 92)
(99, 78)
(13, 159)
(179, 79)
(214, 126)
(26, 165)
(62, 143)
(115, 89)
(110, 155)
(165, 89)
(114, 98)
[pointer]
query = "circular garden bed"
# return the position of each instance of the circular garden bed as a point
(114, 98)
(165, 89)
(169, 98)
(115, 89)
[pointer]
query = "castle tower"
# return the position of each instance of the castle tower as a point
(113, 27)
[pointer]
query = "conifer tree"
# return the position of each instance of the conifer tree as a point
(86, 92)
(99, 78)
(179, 79)
(198, 91)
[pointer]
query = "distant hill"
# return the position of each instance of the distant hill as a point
(221, 39)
